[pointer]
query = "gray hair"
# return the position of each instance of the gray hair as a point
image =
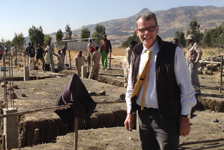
(145, 17)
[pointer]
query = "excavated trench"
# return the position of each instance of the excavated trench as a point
(44, 127)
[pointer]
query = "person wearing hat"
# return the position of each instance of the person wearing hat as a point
(194, 54)
(105, 48)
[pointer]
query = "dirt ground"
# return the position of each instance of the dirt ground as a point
(205, 124)
(202, 128)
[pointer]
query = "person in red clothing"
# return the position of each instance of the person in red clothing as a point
(105, 48)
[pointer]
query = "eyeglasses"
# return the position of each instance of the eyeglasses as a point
(149, 29)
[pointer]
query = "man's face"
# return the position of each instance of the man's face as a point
(147, 37)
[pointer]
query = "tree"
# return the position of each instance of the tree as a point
(59, 35)
(36, 35)
(47, 38)
(68, 32)
(180, 36)
(98, 33)
(8, 43)
(18, 41)
(130, 38)
(85, 33)
(207, 39)
(194, 29)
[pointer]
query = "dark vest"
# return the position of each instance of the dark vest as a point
(168, 92)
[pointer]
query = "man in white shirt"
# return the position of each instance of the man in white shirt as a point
(169, 96)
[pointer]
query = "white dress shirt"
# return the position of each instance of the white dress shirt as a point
(182, 74)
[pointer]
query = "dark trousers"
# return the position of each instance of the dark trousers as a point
(47, 67)
(158, 133)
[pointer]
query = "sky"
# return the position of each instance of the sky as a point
(18, 16)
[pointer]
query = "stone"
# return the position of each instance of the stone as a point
(102, 92)
(3, 85)
(23, 95)
(92, 93)
(15, 87)
(214, 58)
(212, 66)
(122, 96)
(200, 70)
(215, 120)
(13, 96)
(208, 72)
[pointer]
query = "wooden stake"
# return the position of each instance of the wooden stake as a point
(220, 89)
(70, 58)
(76, 124)
(3, 141)
(110, 61)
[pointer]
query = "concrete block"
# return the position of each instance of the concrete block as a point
(84, 71)
(10, 129)
(26, 73)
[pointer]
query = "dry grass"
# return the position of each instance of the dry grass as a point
(207, 52)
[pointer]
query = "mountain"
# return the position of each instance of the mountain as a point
(118, 30)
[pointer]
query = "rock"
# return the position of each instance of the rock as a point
(15, 87)
(215, 120)
(92, 93)
(13, 96)
(214, 58)
(3, 85)
(23, 95)
(122, 96)
(102, 92)
(45, 83)
(208, 72)
(200, 70)
(208, 59)
(212, 66)
(103, 100)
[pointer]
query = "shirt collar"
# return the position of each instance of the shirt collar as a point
(154, 48)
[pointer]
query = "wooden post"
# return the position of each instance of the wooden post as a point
(220, 89)
(3, 142)
(110, 61)
(70, 59)
(76, 123)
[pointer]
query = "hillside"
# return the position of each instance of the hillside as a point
(119, 30)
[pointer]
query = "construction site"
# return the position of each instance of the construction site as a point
(28, 101)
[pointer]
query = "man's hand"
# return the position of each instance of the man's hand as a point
(128, 123)
(184, 126)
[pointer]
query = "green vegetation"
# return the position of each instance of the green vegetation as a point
(18, 41)
(85, 33)
(180, 36)
(98, 33)
(130, 38)
(47, 38)
(194, 28)
(68, 32)
(36, 35)
(214, 37)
